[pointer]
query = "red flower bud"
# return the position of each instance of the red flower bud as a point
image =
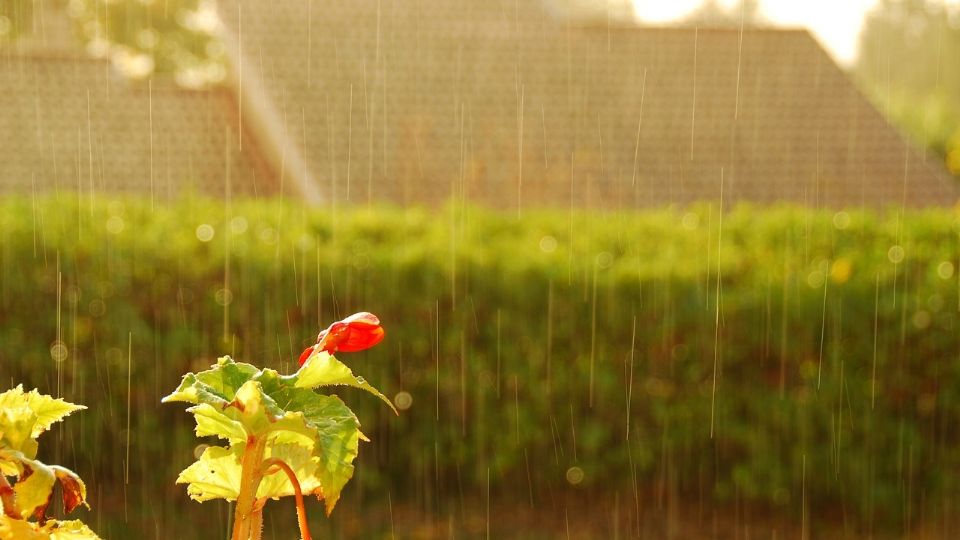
(355, 333)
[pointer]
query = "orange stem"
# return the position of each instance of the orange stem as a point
(298, 494)
(249, 482)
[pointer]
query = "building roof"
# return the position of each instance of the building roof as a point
(72, 123)
(503, 102)
(497, 101)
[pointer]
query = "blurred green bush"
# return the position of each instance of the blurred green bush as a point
(801, 360)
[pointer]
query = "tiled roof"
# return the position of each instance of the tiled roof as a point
(70, 122)
(496, 101)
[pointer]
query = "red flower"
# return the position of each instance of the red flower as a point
(355, 333)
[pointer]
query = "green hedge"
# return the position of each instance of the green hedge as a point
(513, 337)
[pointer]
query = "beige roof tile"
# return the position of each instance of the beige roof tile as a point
(71, 123)
(420, 101)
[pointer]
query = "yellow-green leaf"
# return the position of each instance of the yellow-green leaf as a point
(34, 489)
(216, 386)
(323, 369)
(48, 409)
(17, 425)
(216, 475)
(212, 422)
(15, 529)
(303, 463)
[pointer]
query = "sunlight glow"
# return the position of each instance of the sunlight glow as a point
(836, 24)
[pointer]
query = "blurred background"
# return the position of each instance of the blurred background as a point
(647, 270)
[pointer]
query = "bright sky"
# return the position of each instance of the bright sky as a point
(835, 23)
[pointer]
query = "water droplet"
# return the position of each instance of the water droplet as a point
(97, 307)
(205, 232)
(945, 270)
(223, 297)
(199, 450)
(815, 279)
(268, 235)
(361, 261)
(605, 260)
(575, 475)
(115, 356)
(690, 221)
(895, 254)
(403, 400)
(58, 351)
(841, 220)
(115, 225)
(548, 244)
(361, 380)
(238, 225)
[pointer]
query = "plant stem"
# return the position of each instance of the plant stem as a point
(298, 494)
(250, 478)
(9, 499)
(256, 523)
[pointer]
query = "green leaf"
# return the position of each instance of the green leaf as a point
(338, 436)
(47, 409)
(303, 463)
(323, 369)
(252, 414)
(317, 435)
(212, 422)
(216, 386)
(15, 529)
(318, 428)
(216, 475)
(339, 444)
(17, 425)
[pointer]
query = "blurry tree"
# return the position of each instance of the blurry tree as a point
(712, 13)
(909, 53)
(146, 36)
(140, 37)
(15, 16)
(590, 11)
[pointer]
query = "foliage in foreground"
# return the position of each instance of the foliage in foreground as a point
(561, 342)
(24, 416)
(277, 424)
